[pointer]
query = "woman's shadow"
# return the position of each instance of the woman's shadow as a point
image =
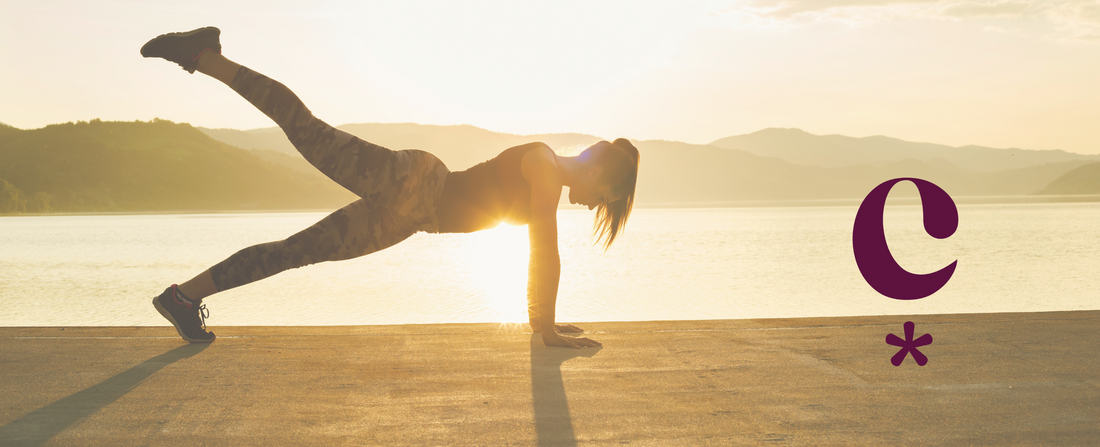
(40, 425)
(553, 425)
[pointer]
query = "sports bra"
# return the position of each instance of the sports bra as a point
(491, 192)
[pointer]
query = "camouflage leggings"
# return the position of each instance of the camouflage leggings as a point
(398, 190)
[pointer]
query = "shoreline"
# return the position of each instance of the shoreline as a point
(789, 203)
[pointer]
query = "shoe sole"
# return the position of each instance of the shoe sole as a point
(168, 315)
(148, 49)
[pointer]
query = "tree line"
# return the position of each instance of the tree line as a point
(14, 200)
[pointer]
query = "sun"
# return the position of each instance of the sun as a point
(498, 266)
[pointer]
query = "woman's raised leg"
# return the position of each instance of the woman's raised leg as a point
(218, 67)
(368, 170)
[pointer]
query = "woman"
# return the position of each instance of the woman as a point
(403, 192)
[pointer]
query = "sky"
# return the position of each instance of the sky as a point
(1011, 73)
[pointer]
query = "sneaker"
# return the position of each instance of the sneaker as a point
(188, 317)
(184, 48)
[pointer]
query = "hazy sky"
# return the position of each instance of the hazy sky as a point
(1016, 73)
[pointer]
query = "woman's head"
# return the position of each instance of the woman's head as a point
(612, 194)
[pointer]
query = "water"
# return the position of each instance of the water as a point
(671, 264)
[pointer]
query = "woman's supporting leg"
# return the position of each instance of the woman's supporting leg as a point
(199, 287)
(352, 231)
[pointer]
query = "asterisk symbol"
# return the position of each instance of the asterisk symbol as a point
(909, 345)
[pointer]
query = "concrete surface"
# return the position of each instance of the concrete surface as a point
(992, 379)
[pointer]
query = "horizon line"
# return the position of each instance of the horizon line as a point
(711, 143)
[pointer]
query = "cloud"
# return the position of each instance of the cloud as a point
(783, 9)
(1090, 37)
(999, 9)
(1076, 21)
(1075, 10)
(1081, 11)
(995, 29)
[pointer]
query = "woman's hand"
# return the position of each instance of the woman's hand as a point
(568, 328)
(566, 341)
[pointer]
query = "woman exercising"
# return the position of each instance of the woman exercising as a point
(401, 193)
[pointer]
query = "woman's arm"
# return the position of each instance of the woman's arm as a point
(540, 168)
(532, 300)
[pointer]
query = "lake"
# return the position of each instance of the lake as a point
(670, 264)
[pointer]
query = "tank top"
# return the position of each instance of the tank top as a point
(491, 192)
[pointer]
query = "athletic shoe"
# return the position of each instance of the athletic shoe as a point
(184, 48)
(188, 317)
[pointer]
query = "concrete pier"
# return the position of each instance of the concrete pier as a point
(991, 379)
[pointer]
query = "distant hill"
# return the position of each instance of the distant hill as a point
(153, 166)
(161, 166)
(800, 147)
(7, 130)
(679, 173)
(458, 146)
(271, 139)
(674, 172)
(1082, 180)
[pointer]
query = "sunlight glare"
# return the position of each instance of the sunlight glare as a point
(498, 266)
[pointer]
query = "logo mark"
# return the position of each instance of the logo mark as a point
(882, 272)
(873, 257)
(909, 346)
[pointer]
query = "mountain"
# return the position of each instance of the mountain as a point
(6, 130)
(1082, 180)
(271, 139)
(459, 146)
(800, 147)
(155, 166)
(160, 166)
(680, 173)
(675, 173)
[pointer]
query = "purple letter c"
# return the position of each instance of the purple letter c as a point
(873, 257)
